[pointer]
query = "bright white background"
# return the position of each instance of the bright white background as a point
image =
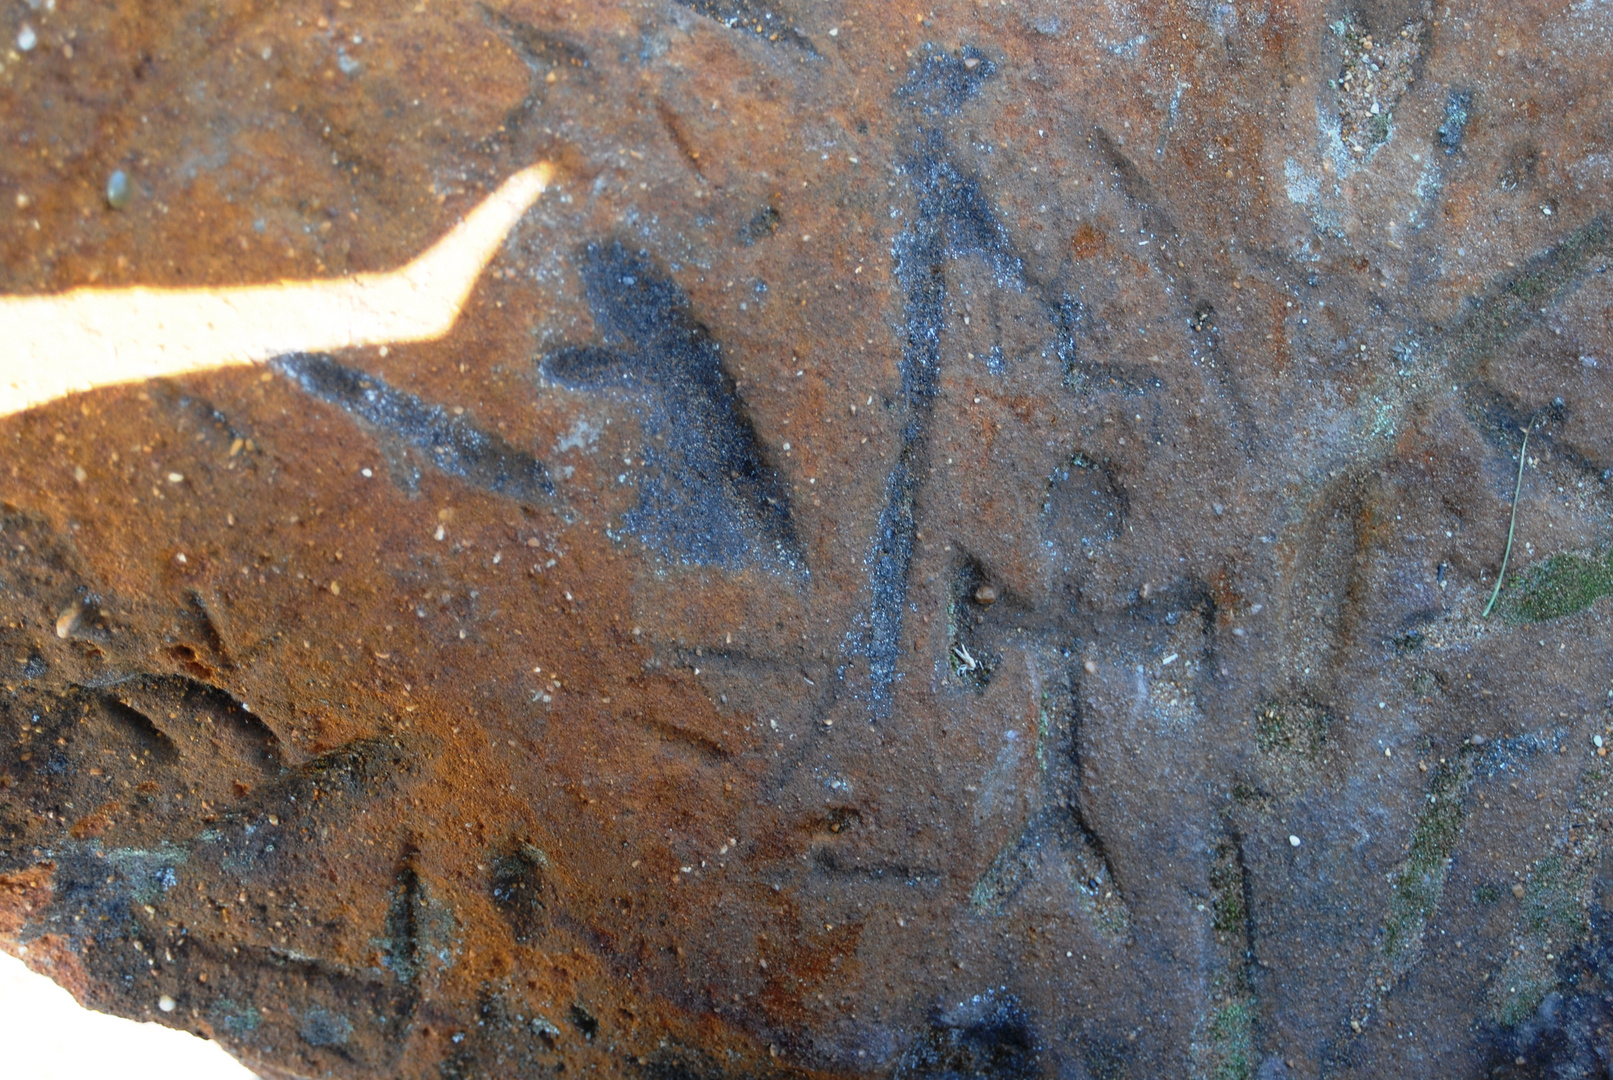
(45, 1035)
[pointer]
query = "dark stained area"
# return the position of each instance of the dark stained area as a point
(451, 443)
(770, 22)
(707, 495)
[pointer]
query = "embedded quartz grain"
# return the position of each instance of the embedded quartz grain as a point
(950, 542)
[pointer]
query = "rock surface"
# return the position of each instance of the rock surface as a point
(953, 543)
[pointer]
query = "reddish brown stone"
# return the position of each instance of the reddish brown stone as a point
(616, 685)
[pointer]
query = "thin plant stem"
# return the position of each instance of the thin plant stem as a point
(1523, 452)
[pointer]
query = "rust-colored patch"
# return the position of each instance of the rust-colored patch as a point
(22, 895)
(53, 956)
(1087, 241)
(94, 823)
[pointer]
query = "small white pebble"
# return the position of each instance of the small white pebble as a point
(439, 534)
(118, 190)
(176, 478)
(165, 1003)
(1293, 841)
(26, 38)
(835, 32)
(366, 473)
(1597, 739)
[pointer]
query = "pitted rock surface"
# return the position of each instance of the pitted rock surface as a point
(953, 542)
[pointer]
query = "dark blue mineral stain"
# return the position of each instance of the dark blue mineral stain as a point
(706, 493)
(954, 220)
(453, 444)
(988, 1035)
(943, 83)
(97, 890)
(772, 24)
(1453, 128)
(322, 1027)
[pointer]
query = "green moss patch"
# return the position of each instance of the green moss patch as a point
(1232, 1050)
(1561, 585)
(1523, 994)
(1285, 728)
(1507, 311)
(1420, 881)
(1226, 894)
(1552, 904)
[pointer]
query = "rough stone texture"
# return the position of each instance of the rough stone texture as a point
(952, 544)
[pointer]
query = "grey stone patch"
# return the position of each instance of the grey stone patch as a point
(321, 1027)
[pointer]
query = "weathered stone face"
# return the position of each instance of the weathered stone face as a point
(952, 542)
